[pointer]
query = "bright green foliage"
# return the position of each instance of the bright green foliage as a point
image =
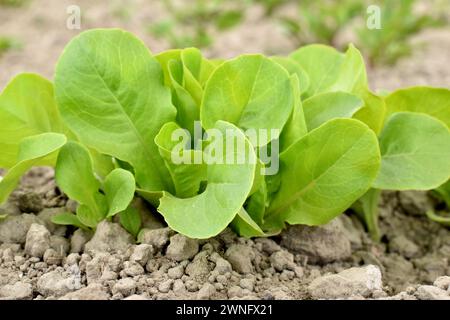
(27, 108)
(130, 219)
(75, 176)
(193, 23)
(228, 185)
(326, 106)
(38, 150)
(251, 92)
(418, 161)
(432, 101)
(133, 132)
(444, 192)
(339, 161)
(111, 94)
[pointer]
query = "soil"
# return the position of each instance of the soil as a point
(39, 260)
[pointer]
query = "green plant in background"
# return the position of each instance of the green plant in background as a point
(109, 127)
(320, 21)
(324, 21)
(12, 3)
(8, 43)
(194, 23)
(399, 22)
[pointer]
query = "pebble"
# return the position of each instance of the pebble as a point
(354, 281)
(37, 240)
(182, 248)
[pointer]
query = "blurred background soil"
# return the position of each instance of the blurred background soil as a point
(38, 27)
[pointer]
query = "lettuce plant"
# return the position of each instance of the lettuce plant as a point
(253, 142)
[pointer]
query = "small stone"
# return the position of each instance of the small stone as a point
(37, 241)
(17, 291)
(78, 240)
(222, 266)
(176, 272)
(46, 216)
(136, 297)
(178, 287)
(281, 260)
(109, 237)
(234, 292)
(403, 246)
(240, 257)
(125, 286)
(191, 285)
(165, 286)
(93, 291)
(72, 259)
(324, 244)
(133, 269)
(199, 268)
(54, 283)
(30, 202)
(431, 293)
(155, 237)
(14, 229)
(354, 281)
(268, 245)
(206, 292)
(379, 294)
(248, 284)
(442, 282)
(51, 257)
(141, 254)
(59, 244)
(181, 248)
(287, 275)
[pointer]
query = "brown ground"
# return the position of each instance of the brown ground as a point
(40, 26)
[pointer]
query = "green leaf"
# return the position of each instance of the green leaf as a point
(444, 220)
(228, 185)
(119, 187)
(250, 91)
(373, 112)
(327, 106)
(130, 219)
(111, 94)
(295, 127)
(351, 76)
(37, 150)
(294, 68)
(321, 63)
(367, 208)
(75, 176)
(90, 216)
(415, 150)
(432, 101)
(444, 192)
(27, 108)
(323, 173)
(256, 204)
(245, 226)
(68, 219)
(186, 177)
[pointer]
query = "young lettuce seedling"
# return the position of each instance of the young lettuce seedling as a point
(280, 140)
(415, 148)
(97, 201)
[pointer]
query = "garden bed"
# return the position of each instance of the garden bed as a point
(301, 263)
